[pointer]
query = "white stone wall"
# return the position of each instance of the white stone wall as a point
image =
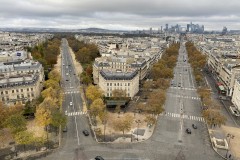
(130, 86)
(236, 94)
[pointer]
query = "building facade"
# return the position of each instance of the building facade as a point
(20, 81)
(126, 81)
(236, 94)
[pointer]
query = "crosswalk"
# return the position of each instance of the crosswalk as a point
(76, 113)
(187, 97)
(69, 92)
(177, 115)
(189, 89)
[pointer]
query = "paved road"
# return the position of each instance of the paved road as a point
(169, 139)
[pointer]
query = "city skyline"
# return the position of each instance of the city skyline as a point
(120, 15)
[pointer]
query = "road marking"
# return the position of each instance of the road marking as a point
(190, 89)
(69, 92)
(184, 116)
(76, 113)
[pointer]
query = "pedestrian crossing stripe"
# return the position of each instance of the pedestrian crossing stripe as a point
(76, 113)
(190, 89)
(69, 92)
(187, 97)
(177, 115)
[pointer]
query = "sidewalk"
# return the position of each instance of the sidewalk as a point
(226, 141)
(138, 135)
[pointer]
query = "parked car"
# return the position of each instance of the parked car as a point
(85, 132)
(194, 126)
(188, 131)
(65, 129)
(71, 103)
(234, 111)
(99, 158)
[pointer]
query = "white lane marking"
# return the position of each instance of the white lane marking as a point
(75, 118)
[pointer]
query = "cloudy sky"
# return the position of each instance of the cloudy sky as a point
(119, 14)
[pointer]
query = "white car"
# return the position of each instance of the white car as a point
(234, 111)
(71, 103)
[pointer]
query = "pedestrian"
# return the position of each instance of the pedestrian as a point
(229, 156)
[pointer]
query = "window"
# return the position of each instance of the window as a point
(22, 96)
(117, 84)
(21, 90)
(31, 89)
(128, 84)
(16, 90)
(12, 91)
(6, 92)
(107, 84)
(110, 84)
(1, 92)
(27, 89)
(32, 95)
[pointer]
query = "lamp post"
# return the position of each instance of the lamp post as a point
(131, 136)
(229, 137)
(138, 122)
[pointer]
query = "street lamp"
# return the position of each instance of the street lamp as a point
(138, 122)
(229, 137)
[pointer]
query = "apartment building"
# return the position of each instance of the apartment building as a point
(119, 63)
(236, 94)
(20, 81)
(127, 81)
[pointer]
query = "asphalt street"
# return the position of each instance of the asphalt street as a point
(169, 140)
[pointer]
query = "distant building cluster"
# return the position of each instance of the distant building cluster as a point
(21, 78)
(124, 62)
(223, 63)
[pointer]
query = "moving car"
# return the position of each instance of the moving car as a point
(99, 158)
(188, 131)
(71, 103)
(85, 132)
(194, 126)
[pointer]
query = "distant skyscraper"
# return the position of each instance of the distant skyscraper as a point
(224, 30)
(161, 28)
(150, 30)
(166, 28)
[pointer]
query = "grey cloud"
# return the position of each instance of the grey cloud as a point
(121, 13)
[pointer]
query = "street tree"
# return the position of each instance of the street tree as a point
(118, 109)
(150, 120)
(147, 85)
(51, 83)
(16, 123)
(43, 115)
(24, 138)
(214, 117)
(93, 92)
(162, 83)
(124, 124)
(97, 107)
(58, 119)
(54, 75)
(104, 116)
(203, 92)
